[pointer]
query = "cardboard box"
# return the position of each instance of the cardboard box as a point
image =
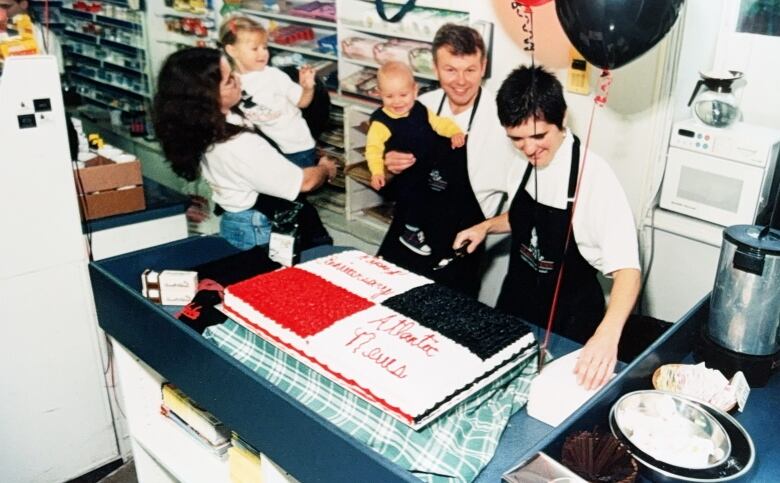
(107, 188)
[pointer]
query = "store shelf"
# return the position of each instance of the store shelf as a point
(106, 55)
(105, 104)
(305, 49)
(384, 32)
(288, 18)
(174, 449)
(374, 65)
(103, 19)
(330, 198)
(359, 172)
(96, 40)
(172, 12)
(101, 61)
(179, 453)
(176, 38)
(111, 84)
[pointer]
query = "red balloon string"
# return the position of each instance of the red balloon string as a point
(604, 82)
(527, 15)
(569, 231)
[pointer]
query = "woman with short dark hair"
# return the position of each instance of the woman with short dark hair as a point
(550, 237)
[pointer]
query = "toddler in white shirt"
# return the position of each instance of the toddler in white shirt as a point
(270, 99)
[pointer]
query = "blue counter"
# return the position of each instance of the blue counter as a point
(759, 418)
(295, 437)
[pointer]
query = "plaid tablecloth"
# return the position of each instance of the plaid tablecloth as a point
(455, 447)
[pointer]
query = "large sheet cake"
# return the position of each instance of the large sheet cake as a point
(409, 346)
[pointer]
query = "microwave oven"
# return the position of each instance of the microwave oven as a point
(727, 176)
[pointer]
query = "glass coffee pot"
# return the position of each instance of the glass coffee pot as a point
(716, 105)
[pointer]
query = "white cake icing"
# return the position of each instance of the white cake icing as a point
(408, 370)
(370, 277)
(394, 358)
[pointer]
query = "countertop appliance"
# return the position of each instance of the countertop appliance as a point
(716, 105)
(743, 329)
(723, 176)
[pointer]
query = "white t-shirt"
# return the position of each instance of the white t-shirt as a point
(603, 223)
(276, 110)
(245, 165)
(49, 44)
(492, 160)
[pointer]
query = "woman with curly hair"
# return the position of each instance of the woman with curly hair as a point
(201, 133)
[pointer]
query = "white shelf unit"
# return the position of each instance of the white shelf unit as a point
(163, 451)
(311, 51)
(360, 197)
(359, 19)
(331, 143)
(164, 41)
(105, 55)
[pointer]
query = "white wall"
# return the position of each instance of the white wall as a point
(755, 56)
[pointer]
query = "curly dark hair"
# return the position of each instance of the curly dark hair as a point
(529, 92)
(187, 111)
(459, 40)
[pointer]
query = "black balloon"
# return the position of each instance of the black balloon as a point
(612, 33)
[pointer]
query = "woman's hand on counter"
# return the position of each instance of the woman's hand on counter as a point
(598, 358)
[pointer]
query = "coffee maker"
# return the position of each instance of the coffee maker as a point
(743, 329)
(715, 105)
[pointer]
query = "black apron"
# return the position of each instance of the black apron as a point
(311, 231)
(453, 207)
(538, 245)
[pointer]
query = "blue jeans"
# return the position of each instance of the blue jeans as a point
(304, 159)
(245, 229)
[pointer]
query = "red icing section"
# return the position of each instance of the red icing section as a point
(298, 300)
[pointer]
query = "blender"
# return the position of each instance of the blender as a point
(716, 105)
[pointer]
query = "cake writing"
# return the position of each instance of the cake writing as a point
(364, 342)
(352, 272)
(387, 268)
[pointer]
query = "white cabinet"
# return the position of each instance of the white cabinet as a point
(685, 260)
(55, 419)
(163, 451)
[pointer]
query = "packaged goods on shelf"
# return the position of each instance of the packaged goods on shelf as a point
(397, 50)
(328, 44)
(317, 10)
(359, 48)
(292, 34)
(200, 420)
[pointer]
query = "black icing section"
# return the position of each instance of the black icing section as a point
(472, 324)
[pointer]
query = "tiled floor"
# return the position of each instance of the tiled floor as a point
(123, 474)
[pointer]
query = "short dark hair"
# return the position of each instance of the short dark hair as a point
(187, 112)
(459, 40)
(529, 92)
